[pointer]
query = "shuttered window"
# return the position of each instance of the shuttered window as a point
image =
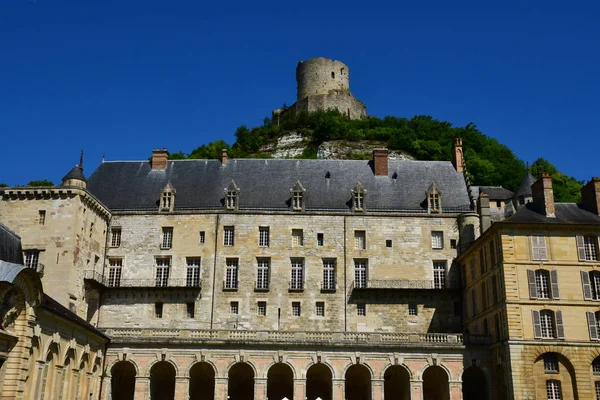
(592, 325)
(543, 284)
(538, 247)
(591, 285)
(587, 248)
(548, 324)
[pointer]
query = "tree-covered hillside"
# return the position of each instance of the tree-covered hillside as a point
(425, 138)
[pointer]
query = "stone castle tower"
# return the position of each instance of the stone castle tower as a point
(324, 84)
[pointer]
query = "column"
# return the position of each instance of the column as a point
(338, 389)
(455, 390)
(221, 388)
(182, 387)
(260, 389)
(299, 389)
(377, 389)
(142, 388)
(416, 390)
(106, 388)
(58, 387)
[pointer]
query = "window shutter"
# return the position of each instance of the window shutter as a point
(591, 320)
(580, 248)
(531, 282)
(587, 288)
(542, 248)
(560, 328)
(535, 250)
(554, 284)
(537, 325)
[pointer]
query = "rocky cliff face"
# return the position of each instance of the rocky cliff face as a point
(293, 144)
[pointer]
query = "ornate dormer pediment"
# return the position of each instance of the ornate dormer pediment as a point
(434, 199)
(358, 197)
(232, 196)
(167, 198)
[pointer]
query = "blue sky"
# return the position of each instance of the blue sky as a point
(125, 77)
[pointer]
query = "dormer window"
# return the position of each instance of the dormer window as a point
(358, 197)
(167, 198)
(434, 199)
(297, 193)
(232, 196)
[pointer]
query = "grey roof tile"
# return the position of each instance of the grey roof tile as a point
(75, 173)
(566, 213)
(525, 185)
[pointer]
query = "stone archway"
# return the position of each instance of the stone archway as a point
(358, 383)
(474, 384)
(280, 382)
(396, 383)
(122, 382)
(318, 382)
(162, 381)
(241, 382)
(553, 366)
(435, 384)
(202, 381)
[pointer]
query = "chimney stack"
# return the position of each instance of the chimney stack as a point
(483, 205)
(224, 156)
(457, 155)
(590, 195)
(380, 162)
(543, 196)
(159, 158)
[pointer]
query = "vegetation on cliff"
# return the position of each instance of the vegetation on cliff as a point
(489, 163)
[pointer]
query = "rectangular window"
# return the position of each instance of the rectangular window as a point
(228, 235)
(115, 237)
(360, 241)
(32, 258)
(538, 247)
(473, 302)
(190, 309)
(492, 253)
(361, 309)
(453, 243)
(388, 243)
(329, 274)
(434, 202)
(439, 274)
(192, 277)
(234, 307)
(457, 309)
(551, 363)
(547, 324)
(541, 284)
(297, 237)
(320, 308)
(158, 310)
(263, 236)
(481, 261)
(231, 274)
(42, 217)
(591, 251)
(484, 296)
(296, 308)
(360, 273)
(202, 237)
(494, 290)
(320, 239)
(297, 281)
(261, 308)
(114, 272)
(553, 390)
(597, 389)
(162, 271)
(595, 284)
(412, 309)
(167, 238)
(437, 240)
(263, 273)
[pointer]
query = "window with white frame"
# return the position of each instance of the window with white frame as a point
(412, 309)
(228, 235)
(541, 284)
(263, 236)
(192, 277)
(597, 389)
(167, 238)
(360, 240)
(329, 274)
(320, 308)
(587, 247)
(595, 284)
(547, 324)
(261, 308)
(550, 363)
(297, 237)
(297, 278)
(32, 258)
(553, 389)
(115, 237)
(437, 240)
(296, 309)
(263, 273)
(231, 273)
(162, 271)
(360, 273)
(538, 248)
(439, 274)
(115, 266)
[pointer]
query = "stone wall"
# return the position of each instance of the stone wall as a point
(341, 100)
(320, 76)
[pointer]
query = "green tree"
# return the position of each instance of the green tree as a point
(3, 185)
(40, 183)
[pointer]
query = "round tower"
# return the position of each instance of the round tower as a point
(321, 75)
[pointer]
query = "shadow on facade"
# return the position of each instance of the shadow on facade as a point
(202, 382)
(318, 382)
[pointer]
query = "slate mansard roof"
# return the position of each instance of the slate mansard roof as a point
(266, 184)
(494, 192)
(566, 214)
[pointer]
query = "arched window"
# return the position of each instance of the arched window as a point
(596, 366)
(332, 75)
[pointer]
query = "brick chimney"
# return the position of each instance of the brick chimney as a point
(590, 195)
(159, 158)
(457, 155)
(483, 208)
(543, 196)
(380, 162)
(224, 156)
